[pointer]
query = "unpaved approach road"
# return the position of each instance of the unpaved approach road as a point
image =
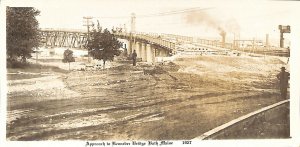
(173, 101)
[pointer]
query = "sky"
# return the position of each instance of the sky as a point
(243, 19)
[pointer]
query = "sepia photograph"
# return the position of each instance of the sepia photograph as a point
(152, 71)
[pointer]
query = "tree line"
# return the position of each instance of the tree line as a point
(23, 38)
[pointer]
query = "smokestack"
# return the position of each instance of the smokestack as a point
(267, 40)
(223, 34)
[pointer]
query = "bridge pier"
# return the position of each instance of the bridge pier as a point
(133, 46)
(140, 50)
(162, 53)
(150, 53)
(129, 48)
(137, 49)
(143, 52)
(159, 53)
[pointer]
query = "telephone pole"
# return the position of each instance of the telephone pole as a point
(88, 23)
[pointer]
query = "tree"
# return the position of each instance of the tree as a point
(22, 32)
(68, 57)
(103, 45)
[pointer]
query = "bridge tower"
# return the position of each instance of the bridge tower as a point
(133, 23)
(132, 34)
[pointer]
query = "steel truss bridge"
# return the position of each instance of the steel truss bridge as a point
(78, 39)
(63, 38)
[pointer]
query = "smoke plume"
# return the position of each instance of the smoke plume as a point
(203, 18)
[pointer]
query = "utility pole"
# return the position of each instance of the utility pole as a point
(88, 23)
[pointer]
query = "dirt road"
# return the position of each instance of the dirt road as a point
(179, 100)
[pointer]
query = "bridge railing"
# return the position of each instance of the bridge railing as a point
(152, 38)
(179, 37)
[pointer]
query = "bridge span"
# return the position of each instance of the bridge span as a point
(151, 45)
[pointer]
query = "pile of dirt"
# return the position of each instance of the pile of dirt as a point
(171, 66)
(148, 69)
(124, 67)
(154, 70)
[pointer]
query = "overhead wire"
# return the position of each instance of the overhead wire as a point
(158, 14)
(174, 12)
